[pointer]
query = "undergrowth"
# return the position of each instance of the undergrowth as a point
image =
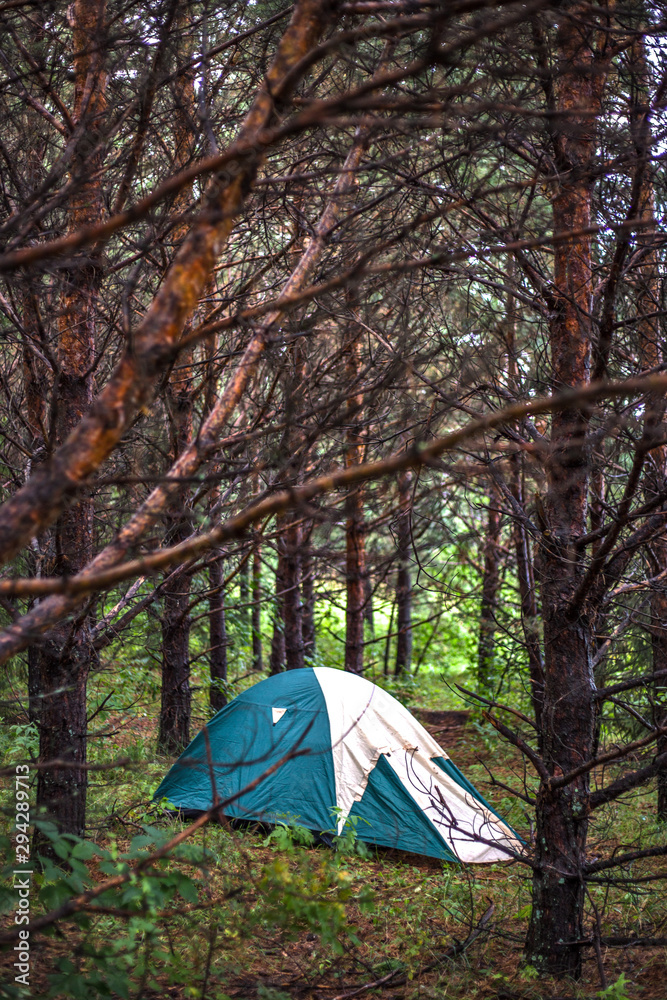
(268, 914)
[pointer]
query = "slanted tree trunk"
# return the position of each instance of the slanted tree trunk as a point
(568, 716)
(486, 644)
(403, 582)
(65, 654)
(184, 282)
(38, 503)
(217, 637)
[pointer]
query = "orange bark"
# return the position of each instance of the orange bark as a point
(52, 487)
(569, 710)
(205, 442)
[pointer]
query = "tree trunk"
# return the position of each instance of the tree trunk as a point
(487, 616)
(659, 650)
(289, 538)
(256, 620)
(354, 579)
(387, 642)
(308, 598)
(64, 657)
(34, 690)
(355, 545)
(648, 307)
(403, 583)
(64, 664)
(36, 388)
(291, 603)
(244, 592)
(217, 637)
(528, 599)
(569, 711)
(522, 548)
(368, 602)
(176, 699)
(277, 658)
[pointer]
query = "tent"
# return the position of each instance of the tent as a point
(357, 753)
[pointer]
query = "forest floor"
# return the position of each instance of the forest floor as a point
(267, 918)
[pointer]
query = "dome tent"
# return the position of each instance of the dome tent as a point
(365, 756)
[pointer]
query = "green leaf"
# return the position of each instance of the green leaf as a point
(85, 850)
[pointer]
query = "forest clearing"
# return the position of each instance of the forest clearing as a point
(303, 921)
(333, 499)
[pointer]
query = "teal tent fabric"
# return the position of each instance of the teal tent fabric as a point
(245, 742)
(387, 816)
(349, 739)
